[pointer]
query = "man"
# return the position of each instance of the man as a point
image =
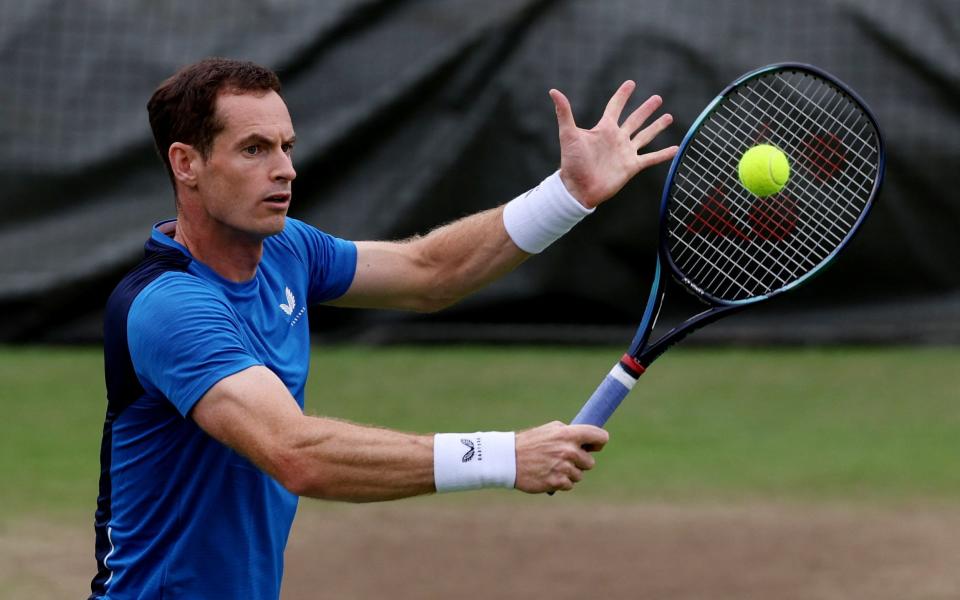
(206, 447)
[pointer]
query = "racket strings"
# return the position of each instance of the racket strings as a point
(836, 217)
(791, 265)
(815, 207)
(826, 210)
(802, 166)
(799, 261)
(847, 145)
(734, 245)
(718, 161)
(749, 264)
(721, 212)
(831, 113)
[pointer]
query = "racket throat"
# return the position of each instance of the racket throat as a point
(632, 366)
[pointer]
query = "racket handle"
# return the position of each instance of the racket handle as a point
(607, 397)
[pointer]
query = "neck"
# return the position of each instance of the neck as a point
(230, 254)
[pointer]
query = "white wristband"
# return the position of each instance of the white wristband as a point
(469, 461)
(538, 218)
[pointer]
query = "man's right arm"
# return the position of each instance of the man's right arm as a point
(253, 412)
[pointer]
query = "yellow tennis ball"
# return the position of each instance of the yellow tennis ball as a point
(764, 170)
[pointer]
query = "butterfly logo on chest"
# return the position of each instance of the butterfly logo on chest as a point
(290, 305)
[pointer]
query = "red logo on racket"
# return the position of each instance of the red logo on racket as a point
(771, 219)
(714, 216)
(824, 155)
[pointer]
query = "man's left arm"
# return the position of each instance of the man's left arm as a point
(434, 271)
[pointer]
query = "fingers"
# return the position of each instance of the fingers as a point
(584, 461)
(564, 112)
(640, 115)
(645, 135)
(655, 158)
(618, 101)
(555, 456)
(565, 479)
(571, 474)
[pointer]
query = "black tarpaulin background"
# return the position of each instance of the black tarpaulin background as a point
(412, 113)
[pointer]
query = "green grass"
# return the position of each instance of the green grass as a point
(797, 424)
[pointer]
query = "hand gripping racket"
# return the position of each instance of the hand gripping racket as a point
(731, 248)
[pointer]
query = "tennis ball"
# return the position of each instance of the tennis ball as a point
(764, 170)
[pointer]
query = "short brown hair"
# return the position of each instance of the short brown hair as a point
(183, 108)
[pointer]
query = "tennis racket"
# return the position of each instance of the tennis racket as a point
(731, 248)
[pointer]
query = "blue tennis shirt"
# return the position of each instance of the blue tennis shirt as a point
(180, 515)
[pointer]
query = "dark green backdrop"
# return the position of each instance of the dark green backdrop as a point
(413, 113)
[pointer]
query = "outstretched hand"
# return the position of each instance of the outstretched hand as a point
(596, 163)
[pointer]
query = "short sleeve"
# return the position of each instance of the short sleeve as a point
(184, 338)
(331, 261)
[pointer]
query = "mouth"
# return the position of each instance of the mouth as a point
(279, 199)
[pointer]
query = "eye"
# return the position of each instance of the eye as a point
(287, 148)
(252, 150)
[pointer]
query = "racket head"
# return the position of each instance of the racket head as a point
(730, 247)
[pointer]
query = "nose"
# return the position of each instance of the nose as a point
(284, 170)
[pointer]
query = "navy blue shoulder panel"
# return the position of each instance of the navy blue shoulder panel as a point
(123, 387)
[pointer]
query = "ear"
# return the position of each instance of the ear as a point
(184, 161)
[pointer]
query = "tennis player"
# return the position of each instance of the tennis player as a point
(206, 447)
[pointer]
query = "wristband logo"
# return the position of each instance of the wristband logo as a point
(468, 456)
(474, 449)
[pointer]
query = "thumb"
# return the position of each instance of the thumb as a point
(591, 437)
(564, 112)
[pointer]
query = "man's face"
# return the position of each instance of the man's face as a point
(244, 185)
